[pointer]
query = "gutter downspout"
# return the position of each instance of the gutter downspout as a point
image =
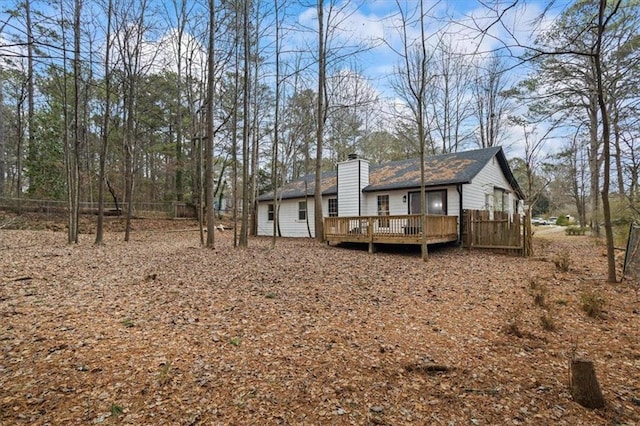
(337, 189)
(460, 214)
(359, 188)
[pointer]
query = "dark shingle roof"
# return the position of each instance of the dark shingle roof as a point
(445, 169)
(296, 188)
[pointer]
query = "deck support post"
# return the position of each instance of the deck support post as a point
(372, 248)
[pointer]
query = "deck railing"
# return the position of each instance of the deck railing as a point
(401, 229)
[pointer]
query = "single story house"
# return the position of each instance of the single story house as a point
(477, 180)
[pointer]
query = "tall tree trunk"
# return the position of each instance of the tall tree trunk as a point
(256, 134)
(618, 151)
(32, 155)
(199, 186)
(179, 173)
(128, 156)
(20, 148)
(321, 115)
(69, 157)
(105, 129)
(421, 131)
(75, 185)
(234, 136)
(246, 192)
(2, 145)
(209, 142)
(606, 141)
(276, 129)
(594, 165)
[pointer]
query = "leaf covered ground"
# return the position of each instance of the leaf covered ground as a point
(161, 331)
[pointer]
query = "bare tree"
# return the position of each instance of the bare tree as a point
(492, 106)
(2, 121)
(534, 156)
(413, 76)
(275, 154)
(106, 119)
(129, 40)
(70, 144)
(2, 144)
(594, 24)
(74, 182)
(321, 117)
(210, 127)
(604, 16)
(451, 106)
(350, 100)
(182, 11)
(246, 89)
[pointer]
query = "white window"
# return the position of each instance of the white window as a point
(333, 207)
(383, 210)
(302, 210)
(500, 200)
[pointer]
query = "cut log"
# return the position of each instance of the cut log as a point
(585, 389)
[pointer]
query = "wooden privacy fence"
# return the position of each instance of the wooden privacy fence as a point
(57, 207)
(496, 230)
(632, 254)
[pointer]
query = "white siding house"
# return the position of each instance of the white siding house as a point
(476, 180)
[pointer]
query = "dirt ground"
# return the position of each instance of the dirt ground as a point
(161, 331)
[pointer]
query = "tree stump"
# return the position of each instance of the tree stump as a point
(585, 389)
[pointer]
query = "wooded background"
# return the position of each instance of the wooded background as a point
(207, 102)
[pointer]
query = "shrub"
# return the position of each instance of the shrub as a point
(547, 321)
(544, 244)
(163, 374)
(116, 410)
(562, 262)
(575, 230)
(539, 292)
(514, 324)
(562, 220)
(539, 298)
(593, 304)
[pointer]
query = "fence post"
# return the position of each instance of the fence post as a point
(424, 228)
(471, 231)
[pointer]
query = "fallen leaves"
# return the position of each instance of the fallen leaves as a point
(155, 331)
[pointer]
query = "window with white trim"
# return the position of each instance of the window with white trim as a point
(333, 207)
(500, 197)
(383, 210)
(302, 210)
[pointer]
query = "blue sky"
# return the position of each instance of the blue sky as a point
(376, 23)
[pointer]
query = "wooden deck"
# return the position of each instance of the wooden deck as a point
(403, 229)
